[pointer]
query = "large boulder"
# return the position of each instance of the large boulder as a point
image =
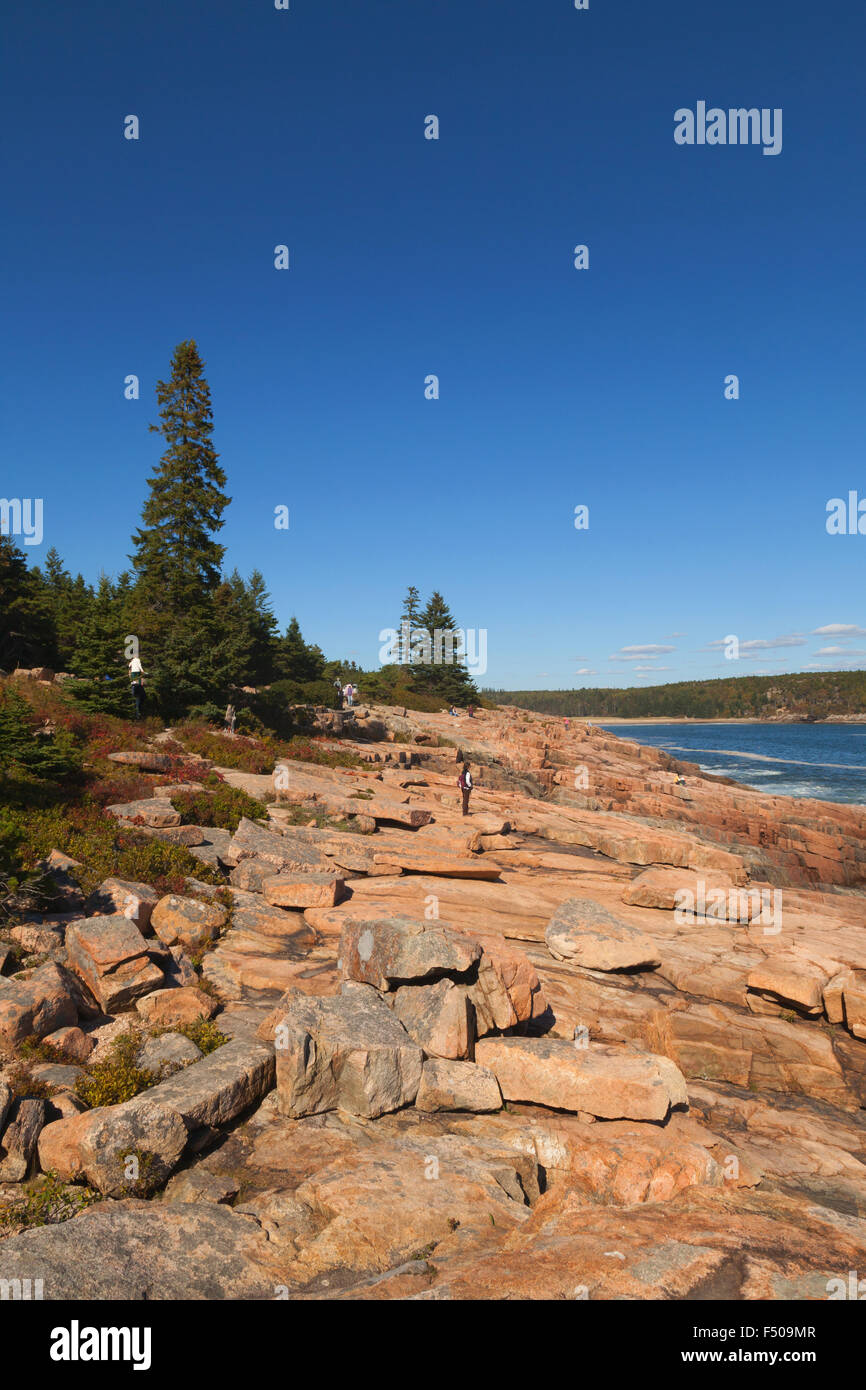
(589, 934)
(44, 1002)
(507, 992)
(186, 922)
(302, 890)
(121, 897)
(347, 1052)
(99, 1144)
(151, 811)
(386, 952)
(111, 957)
(447, 1085)
(440, 1017)
(611, 1083)
(171, 1008)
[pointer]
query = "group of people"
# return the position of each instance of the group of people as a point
(345, 695)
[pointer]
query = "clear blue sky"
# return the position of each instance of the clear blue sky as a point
(409, 257)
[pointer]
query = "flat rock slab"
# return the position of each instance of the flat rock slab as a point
(219, 1087)
(701, 894)
(589, 934)
(254, 841)
(154, 811)
(790, 982)
(385, 952)
(347, 1053)
(136, 1250)
(145, 759)
(111, 956)
(439, 865)
(304, 889)
(448, 1085)
(612, 1083)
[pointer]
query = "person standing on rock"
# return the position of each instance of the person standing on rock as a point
(338, 691)
(231, 719)
(465, 783)
(136, 684)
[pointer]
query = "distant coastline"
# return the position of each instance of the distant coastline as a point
(603, 720)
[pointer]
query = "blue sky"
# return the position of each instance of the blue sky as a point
(411, 257)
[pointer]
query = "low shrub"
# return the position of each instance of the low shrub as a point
(49, 1201)
(204, 1033)
(118, 1078)
(106, 849)
(223, 808)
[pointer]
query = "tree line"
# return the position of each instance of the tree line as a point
(803, 695)
(202, 634)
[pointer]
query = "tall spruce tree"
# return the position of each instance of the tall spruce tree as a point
(446, 676)
(177, 560)
(409, 620)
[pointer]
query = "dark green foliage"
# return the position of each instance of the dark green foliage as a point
(295, 659)
(26, 627)
(177, 560)
(98, 658)
(26, 750)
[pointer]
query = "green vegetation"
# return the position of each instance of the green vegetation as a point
(105, 849)
(224, 807)
(48, 1202)
(118, 1078)
(204, 1033)
(805, 696)
(24, 1085)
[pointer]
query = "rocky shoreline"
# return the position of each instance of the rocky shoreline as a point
(620, 1007)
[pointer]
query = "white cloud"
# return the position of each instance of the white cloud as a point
(761, 644)
(839, 630)
(841, 651)
(637, 653)
(585, 671)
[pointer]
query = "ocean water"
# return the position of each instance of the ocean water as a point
(827, 761)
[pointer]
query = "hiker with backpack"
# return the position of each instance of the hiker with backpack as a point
(465, 783)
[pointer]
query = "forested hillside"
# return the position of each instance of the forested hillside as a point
(807, 695)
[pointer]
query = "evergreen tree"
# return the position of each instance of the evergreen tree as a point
(26, 627)
(246, 627)
(69, 601)
(444, 672)
(295, 659)
(177, 560)
(409, 620)
(99, 659)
